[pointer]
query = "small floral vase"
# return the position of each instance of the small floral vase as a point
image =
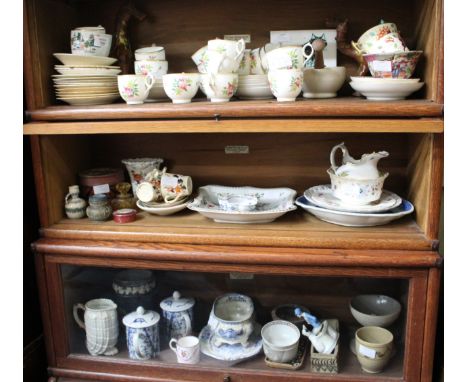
(75, 207)
(99, 208)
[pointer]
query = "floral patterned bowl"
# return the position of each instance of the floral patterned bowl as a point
(181, 87)
(393, 65)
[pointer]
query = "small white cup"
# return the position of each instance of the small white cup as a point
(286, 84)
(150, 53)
(134, 88)
(186, 348)
(232, 49)
(156, 68)
(286, 57)
(219, 87)
(181, 87)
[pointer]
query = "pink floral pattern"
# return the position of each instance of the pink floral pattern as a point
(181, 85)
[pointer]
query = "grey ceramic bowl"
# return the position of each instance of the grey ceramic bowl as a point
(375, 310)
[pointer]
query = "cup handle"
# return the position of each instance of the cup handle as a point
(137, 342)
(149, 81)
(67, 197)
(240, 48)
(307, 57)
(356, 48)
(75, 315)
(172, 346)
(332, 155)
(188, 323)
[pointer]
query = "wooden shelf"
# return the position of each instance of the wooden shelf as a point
(296, 229)
(200, 108)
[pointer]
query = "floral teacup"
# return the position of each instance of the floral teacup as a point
(134, 88)
(219, 87)
(286, 84)
(286, 57)
(181, 87)
(175, 187)
(156, 68)
(232, 49)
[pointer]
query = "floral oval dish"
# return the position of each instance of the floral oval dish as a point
(271, 204)
(322, 196)
(226, 352)
(355, 219)
(161, 211)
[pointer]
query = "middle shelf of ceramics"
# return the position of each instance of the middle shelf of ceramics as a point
(195, 189)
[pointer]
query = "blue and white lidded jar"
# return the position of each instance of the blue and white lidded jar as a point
(142, 333)
(177, 312)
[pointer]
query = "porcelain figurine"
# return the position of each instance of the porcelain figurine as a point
(317, 45)
(99, 208)
(123, 199)
(100, 324)
(232, 319)
(142, 333)
(323, 337)
(75, 207)
(177, 313)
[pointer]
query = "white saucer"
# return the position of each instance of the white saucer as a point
(162, 211)
(227, 352)
(74, 59)
(355, 219)
(386, 89)
(322, 196)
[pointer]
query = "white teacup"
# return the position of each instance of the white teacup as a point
(286, 57)
(90, 41)
(286, 84)
(256, 62)
(244, 66)
(150, 53)
(232, 49)
(181, 87)
(200, 59)
(186, 348)
(150, 189)
(175, 187)
(221, 63)
(219, 87)
(156, 68)
(134, 88)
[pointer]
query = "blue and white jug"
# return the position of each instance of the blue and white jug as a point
(142, 333)
(177, 313)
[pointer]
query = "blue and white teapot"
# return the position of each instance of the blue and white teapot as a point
(177, 313)
(142, 333)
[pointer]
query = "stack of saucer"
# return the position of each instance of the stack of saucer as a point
(163, 209)
(254, 86)
(86, 80)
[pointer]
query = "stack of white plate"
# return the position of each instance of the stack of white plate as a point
(254, 86)
(320, 202)
(385, 89)
(86, 80)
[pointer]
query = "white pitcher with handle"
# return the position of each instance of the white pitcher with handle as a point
(100, 324)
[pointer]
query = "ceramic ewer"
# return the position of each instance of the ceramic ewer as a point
(75, 207)
(142, 332)
(177, 316)
(100, 324)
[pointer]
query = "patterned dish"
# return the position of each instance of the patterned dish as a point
(272, 203)
(354, 219)
(161, 211)
(322, 196)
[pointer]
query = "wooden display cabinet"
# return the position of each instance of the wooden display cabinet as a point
(296, 258)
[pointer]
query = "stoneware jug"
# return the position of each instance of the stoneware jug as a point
(75, 207)
(99, 208)
(142, 331)
(100, 324)
(177, 313)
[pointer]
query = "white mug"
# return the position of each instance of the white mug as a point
(134, 88)
(186, 348)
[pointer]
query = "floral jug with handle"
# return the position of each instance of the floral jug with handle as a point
(177, 316)
(364, 168)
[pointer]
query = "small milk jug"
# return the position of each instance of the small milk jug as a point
(75, 207)
(142, 333)
(177, 312)
(100, 324)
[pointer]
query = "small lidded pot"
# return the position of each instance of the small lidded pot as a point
(142, 331)
(177, 312)
(75, 207)
(99, 208)
(123, 199)
(124, 215)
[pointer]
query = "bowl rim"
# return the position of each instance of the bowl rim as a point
(396, 312)
(282, 322)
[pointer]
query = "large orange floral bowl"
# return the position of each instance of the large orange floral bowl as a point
(393, 65)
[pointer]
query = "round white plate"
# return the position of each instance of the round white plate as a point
(322, 196)
(354, 219)
(74, 59)
(227, 352)
(87, 70)
(87, 101)
(381, 80)
(386, 90)
(162, 211)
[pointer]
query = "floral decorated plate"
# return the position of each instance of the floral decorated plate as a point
(355, 219)
(227, 352)
(161, 211)
(322, 196)
(75, 59)
(271, 203)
